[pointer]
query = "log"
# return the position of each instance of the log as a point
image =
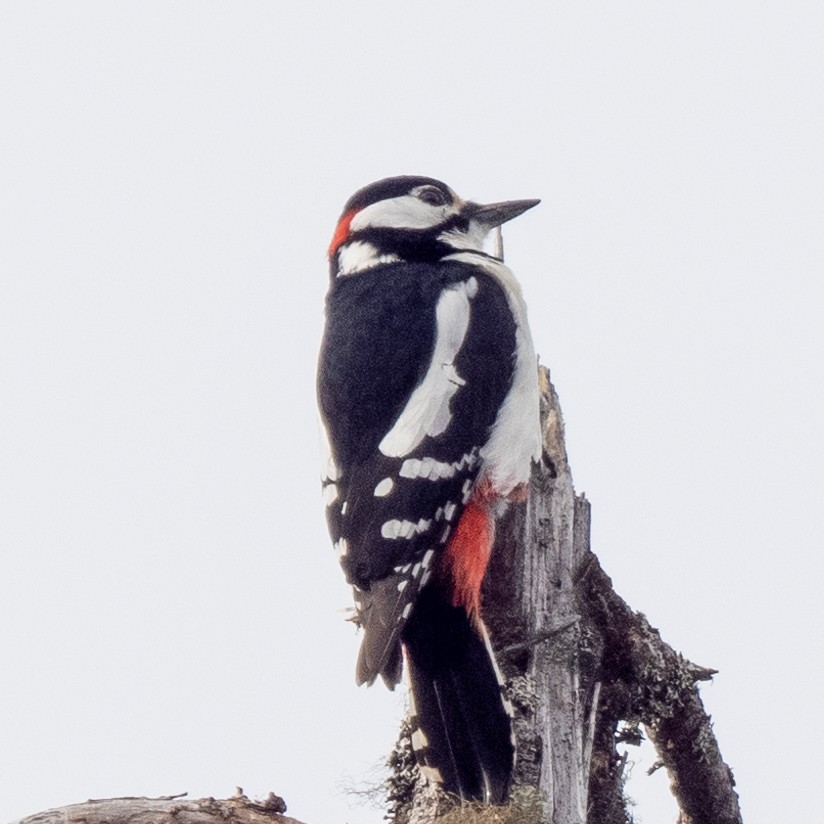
(172, 809)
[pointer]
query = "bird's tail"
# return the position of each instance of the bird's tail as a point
(461, 722)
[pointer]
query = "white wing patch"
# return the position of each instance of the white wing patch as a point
(434, 470)
(427, 410)
(384, 488)
(404, 211)
(404, 529)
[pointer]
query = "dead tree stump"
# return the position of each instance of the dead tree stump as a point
(584, 673)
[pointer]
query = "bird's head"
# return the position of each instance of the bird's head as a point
(412, 219)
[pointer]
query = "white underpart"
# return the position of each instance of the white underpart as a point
(404, 212)
(330, 494)
(427, 410)
(472, 239)
(329, 470)
(515, 439)
(359, 255)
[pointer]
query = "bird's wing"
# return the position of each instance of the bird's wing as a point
(412, 374)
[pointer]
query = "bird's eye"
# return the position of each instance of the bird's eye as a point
(432, 196)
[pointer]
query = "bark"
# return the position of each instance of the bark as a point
(584, 673)
(547, 647)
(651, 684)
(168, 810)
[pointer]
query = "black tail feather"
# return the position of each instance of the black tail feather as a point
(461, 726)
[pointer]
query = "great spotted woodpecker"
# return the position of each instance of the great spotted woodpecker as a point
(428, 395)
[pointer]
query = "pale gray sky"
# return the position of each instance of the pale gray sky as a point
(170, 174)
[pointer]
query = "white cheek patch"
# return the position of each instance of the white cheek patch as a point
(404, 212)
(357, 256)
(427, 410)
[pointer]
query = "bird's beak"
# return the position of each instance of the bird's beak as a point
(491, 215)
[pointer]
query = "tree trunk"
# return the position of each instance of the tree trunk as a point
(578, 663)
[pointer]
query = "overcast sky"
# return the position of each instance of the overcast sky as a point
(171, 611)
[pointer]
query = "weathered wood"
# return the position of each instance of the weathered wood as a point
(167, 810)
(700, 780)
(548, 649)
(578, 663)
(650, 683)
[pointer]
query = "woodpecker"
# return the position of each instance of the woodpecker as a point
(428, 396)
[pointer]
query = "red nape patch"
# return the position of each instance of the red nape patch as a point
(341, 232)
(464, 561)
